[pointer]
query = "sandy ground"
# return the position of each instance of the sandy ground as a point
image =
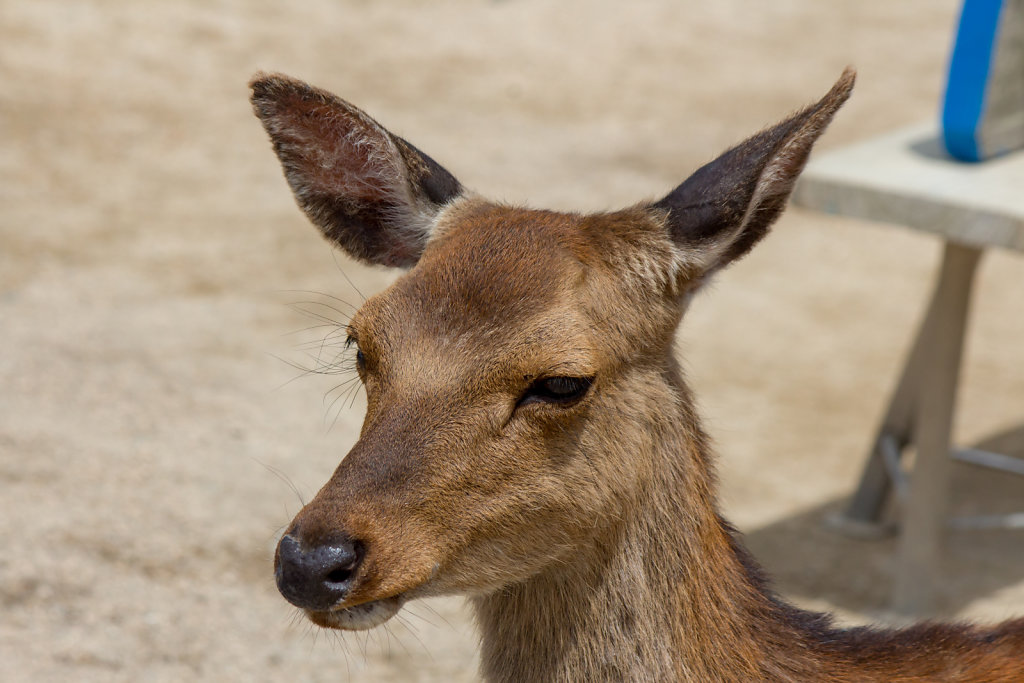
(149, 249)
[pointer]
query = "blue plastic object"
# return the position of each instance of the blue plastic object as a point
(983, 109)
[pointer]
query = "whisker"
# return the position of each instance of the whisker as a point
(334, 255)
(327, 413)
(316, 293)
(433, 611)
(338, 387)
(412, 613)
(411, 630)
(301, 330)
(291, 364)
(299, 307)
(282, 476)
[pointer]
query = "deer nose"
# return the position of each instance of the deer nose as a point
(319, 577)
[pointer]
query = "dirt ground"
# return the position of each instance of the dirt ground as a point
(149, 251)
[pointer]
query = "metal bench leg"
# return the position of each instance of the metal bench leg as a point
(863, 516)
(923, 516)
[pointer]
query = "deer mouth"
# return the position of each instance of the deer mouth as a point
(358, 617)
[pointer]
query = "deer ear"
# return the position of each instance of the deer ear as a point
(724, 208)
(370, 192)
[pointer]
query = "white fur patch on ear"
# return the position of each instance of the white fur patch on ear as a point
(783, 168)
(704, 259)
(358, 161)
(648, 261)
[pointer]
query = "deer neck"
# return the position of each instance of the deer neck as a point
(663, 594)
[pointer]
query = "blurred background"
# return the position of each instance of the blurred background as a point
(152, 261)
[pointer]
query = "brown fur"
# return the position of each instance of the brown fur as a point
(586, 534)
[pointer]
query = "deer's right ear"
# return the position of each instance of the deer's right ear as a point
(723, 209)
(370, 192)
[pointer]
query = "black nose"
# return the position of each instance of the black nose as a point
(319, 577)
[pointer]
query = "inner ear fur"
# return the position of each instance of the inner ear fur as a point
(727, 205)
(369, 191)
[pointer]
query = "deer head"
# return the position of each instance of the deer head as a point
(519, 375)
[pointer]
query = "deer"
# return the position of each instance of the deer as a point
(529, 439)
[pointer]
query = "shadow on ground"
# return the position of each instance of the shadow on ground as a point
(810, 562)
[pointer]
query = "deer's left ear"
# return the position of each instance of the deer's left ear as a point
(369, 191)
(724, 208)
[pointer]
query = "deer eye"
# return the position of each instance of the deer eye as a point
(360, 358)
(559, 390)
